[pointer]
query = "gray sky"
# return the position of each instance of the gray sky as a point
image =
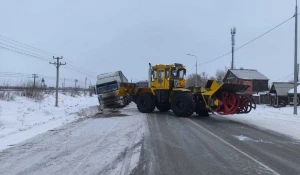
(104, 36)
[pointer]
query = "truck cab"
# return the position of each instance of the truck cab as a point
(107, 87)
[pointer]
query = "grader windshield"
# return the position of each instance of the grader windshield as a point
(178, 73)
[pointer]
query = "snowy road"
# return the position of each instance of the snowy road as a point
(214, 145)
(91, 146)
(156, 143)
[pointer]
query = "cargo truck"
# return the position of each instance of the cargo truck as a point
(107, 87)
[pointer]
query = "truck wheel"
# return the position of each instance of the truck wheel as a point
(182, 104)
(127, 101)
(145, 103)
(203, 113)
(163, 107)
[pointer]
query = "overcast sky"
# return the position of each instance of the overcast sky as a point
(104, 36)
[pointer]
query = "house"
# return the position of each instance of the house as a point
(291, 95)
(279, 93)
(257, 82)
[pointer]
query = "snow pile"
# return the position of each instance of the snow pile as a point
(280, 120)
(24, 118)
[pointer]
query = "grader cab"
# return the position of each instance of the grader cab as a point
(166, 90)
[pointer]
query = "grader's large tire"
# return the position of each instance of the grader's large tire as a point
(145, 103)
(182, 104)
(203, 113)
(163, 107)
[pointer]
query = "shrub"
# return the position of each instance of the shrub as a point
(34, 92)
(7, 95)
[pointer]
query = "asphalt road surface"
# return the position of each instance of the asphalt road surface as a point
(156, 143)
(213, 145)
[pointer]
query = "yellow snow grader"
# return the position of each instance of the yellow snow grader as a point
(167, 90)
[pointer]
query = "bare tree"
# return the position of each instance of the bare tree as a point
(220, 74)
(212, 78)
(201, 79)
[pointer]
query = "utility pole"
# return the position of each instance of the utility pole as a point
(233, 31)
(298, 72)
(57, 64)
(295, 61)
(196, 84)
(85, 85)
(34, 76)
(64, 82)
(43, 82)
(75, 82)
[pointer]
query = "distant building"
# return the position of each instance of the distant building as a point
(142, 83)
(257, 82)
(291, 95)
(279, 93)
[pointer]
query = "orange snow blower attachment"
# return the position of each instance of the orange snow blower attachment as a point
(227, 99)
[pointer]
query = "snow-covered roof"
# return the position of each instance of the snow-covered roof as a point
(250, 74)
(291, 91)
(282, 88)
(261, 93)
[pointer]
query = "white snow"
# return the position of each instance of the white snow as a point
(292, 90)
(102, 144)
(25, 118)
(245, 138)
(280, 120)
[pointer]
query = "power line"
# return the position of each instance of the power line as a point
(17, 74)
(215, 58)
(27, 54)
(264, 33)
(283, 78)
(44, 59)
(40, 57)
(25, 51)
(22, 52)
(12, 73)
(27, 45)
(78, 67)
(249, 41)
(83, 71)
(74, 69)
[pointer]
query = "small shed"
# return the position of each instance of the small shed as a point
(279, 93)
(261, 97)
(291, 95)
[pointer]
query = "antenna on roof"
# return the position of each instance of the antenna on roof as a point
(233, 31)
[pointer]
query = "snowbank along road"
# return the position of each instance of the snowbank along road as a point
(109, 145)
(128, 142)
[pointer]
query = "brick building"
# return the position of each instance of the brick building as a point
(257, 82)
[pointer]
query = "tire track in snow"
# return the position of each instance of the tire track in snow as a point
(110, 130)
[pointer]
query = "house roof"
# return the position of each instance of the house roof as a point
(248, 74)
(291, 91)
(282, 88)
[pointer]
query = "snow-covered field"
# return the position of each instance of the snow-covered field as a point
(24, 118)
(280, 120)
